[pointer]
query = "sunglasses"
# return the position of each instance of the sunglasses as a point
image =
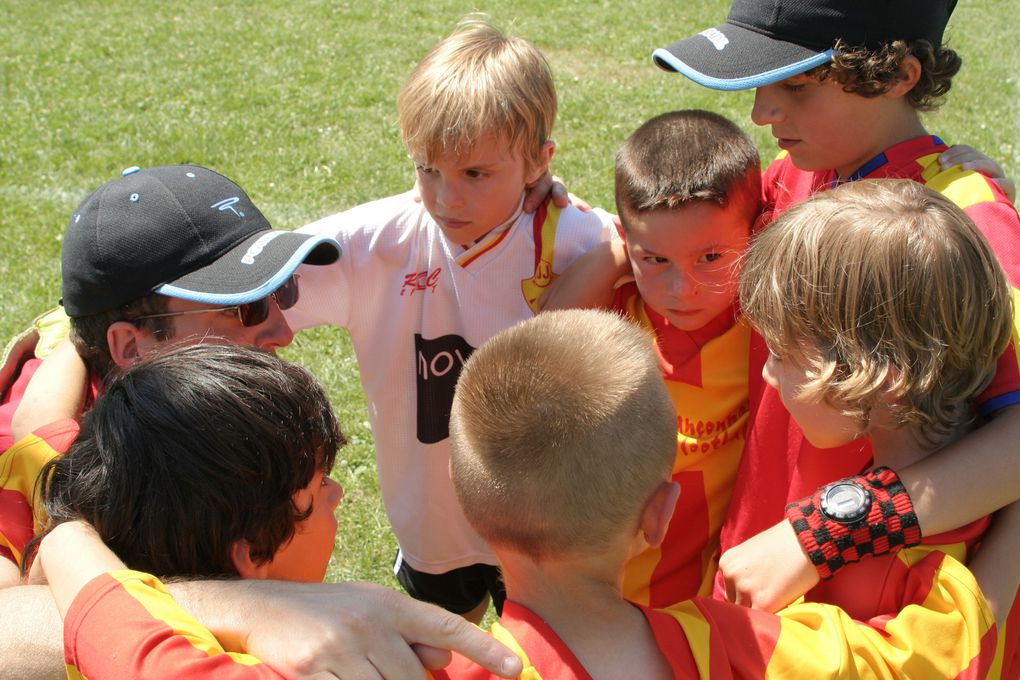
(250, 313)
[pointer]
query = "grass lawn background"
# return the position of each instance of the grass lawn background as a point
(295, 101)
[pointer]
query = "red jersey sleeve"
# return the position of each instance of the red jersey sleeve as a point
(125, 626)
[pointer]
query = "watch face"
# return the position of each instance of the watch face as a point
(845, 502)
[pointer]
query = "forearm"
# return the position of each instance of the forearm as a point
(969, 479)
(357, 630)
(225, 607)
(588, 282)
(71, 555)
(56, 391)
(31, 635)
(997, 563)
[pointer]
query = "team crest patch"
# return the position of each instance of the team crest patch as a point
(534, 287)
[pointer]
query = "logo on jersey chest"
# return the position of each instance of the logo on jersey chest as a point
(422, 281)
(438, 363)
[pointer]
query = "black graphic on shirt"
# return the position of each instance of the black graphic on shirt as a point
(437, 366)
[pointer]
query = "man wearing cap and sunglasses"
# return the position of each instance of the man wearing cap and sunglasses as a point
(180, 252)
(168, 252)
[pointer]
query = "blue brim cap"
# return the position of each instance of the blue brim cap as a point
(729, 57)
(765, 41)
(179, 230)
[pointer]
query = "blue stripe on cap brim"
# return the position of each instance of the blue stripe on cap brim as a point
(253, 294)
(666, 60)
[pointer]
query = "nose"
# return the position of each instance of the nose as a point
(766, 109)
(448, 194)
(684, 284)
(274, 331)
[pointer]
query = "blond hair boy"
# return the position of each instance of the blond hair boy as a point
(563, 441)
(885, 311)
(424, 283)
(889, 307)
(841, 85)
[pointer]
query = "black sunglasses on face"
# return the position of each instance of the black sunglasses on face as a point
(250, 313)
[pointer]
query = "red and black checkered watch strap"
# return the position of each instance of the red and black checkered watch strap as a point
(890, 524)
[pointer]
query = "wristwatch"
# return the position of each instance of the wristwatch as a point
(845, 502)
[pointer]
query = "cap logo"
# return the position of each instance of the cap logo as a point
(256, 248)
(228, 204)
(716, 37)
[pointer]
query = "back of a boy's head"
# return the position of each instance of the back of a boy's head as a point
(894, 290)
(474, 82)
(191, 450)
(682, 157)
(561, 429)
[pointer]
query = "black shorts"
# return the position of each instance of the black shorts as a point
(458, 591)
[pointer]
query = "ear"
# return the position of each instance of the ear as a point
(240, 556)
(126, 342)
(618, 223)
(541, 166)
(658, 511)
(910, 72)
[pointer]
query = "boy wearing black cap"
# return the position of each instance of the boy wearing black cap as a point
(168, 252)
(841, 85)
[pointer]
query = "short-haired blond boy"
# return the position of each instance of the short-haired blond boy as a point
(424, 283)
(563, 442)
(885, 312)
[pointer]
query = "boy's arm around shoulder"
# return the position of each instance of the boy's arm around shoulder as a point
(121, 623)
(588, 280)
(996, 566)
(373, 237)
(969, 158)
(56, 391)
(353, 630)
(30, 642)
(943, 628)
(971, 478)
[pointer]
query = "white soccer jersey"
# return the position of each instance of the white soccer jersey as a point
(416, 306)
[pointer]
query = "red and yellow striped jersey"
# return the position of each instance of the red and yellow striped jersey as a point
(124, 625)
(779, 465)
(21, 513)
(706, 375)
(705, 638)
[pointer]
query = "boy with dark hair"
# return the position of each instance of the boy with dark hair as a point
(203, 461)
(688, 187)
(564, 437)
(422, 283)
(688, 191)
(841, 83)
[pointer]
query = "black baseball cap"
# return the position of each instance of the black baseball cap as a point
(178, 230)
(765, 41)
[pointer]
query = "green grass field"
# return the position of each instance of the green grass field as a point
(295, 101)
